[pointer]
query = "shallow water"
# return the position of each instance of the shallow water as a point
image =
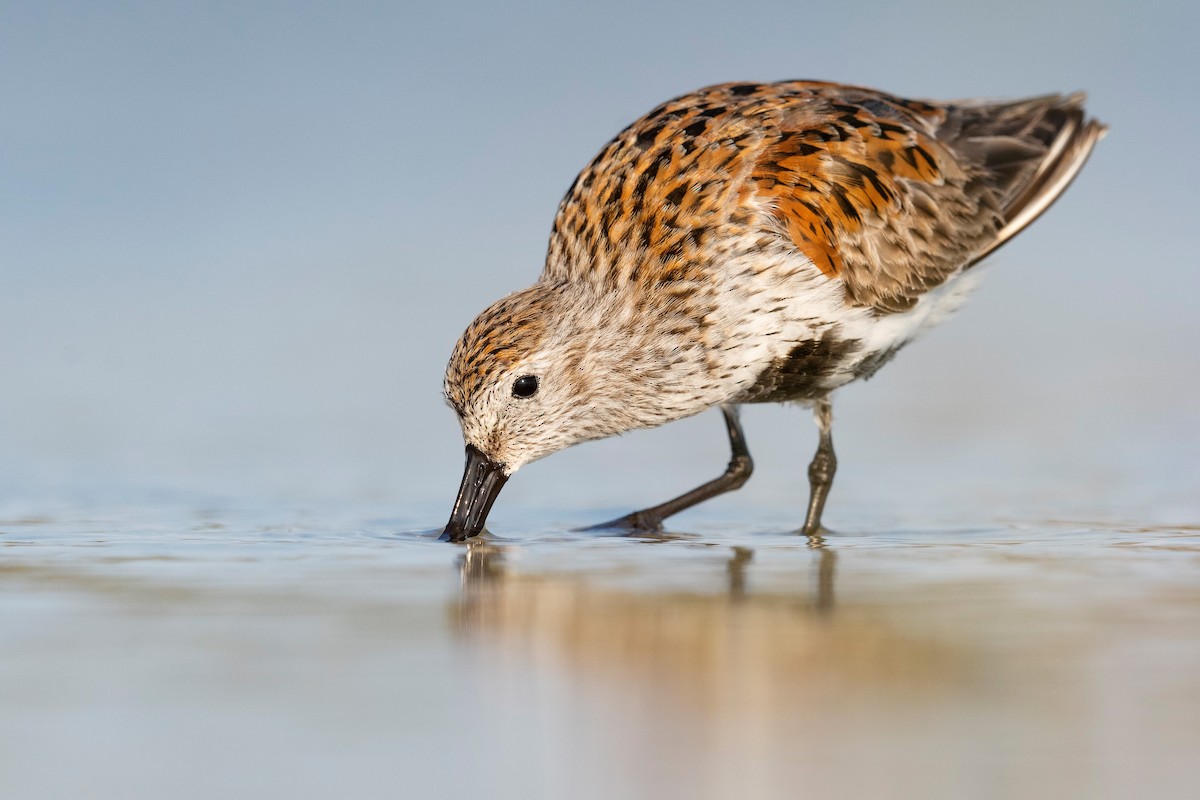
(159, 650)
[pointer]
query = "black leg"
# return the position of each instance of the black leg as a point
(736, 474)
(822, 468)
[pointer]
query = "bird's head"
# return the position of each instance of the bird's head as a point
(534, 373)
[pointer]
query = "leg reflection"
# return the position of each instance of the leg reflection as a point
(826, 567)
(737, 572)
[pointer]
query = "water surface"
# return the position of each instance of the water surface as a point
(160, 650)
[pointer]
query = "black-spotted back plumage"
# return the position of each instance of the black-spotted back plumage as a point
(891, 196)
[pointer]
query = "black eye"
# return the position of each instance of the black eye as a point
(525, 386)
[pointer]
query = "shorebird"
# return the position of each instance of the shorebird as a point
(749, 243)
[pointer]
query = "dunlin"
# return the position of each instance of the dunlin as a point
(749, 243)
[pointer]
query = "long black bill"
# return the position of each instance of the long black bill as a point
(482, 481)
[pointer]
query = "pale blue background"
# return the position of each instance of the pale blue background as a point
(237, 242)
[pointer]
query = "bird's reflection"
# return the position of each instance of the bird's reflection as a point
(491, 590)
(723, 649)
(761, 633)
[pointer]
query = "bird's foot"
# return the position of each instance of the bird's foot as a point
(816, 534)
(631, 524)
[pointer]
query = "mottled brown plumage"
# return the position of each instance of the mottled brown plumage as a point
(892, 196)
(753, 243)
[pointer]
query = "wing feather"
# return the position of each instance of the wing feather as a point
(890, 196)
(894, 196)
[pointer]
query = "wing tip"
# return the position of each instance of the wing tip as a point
(1066, 158)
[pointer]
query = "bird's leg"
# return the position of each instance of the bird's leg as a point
(736, 474)
(822, 468)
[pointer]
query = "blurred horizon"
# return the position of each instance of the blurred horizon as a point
(238, 243)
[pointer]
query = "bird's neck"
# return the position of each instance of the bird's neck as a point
(644, 358)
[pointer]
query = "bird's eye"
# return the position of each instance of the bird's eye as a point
(525, 386)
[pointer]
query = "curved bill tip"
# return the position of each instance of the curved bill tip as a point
(482, 481)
